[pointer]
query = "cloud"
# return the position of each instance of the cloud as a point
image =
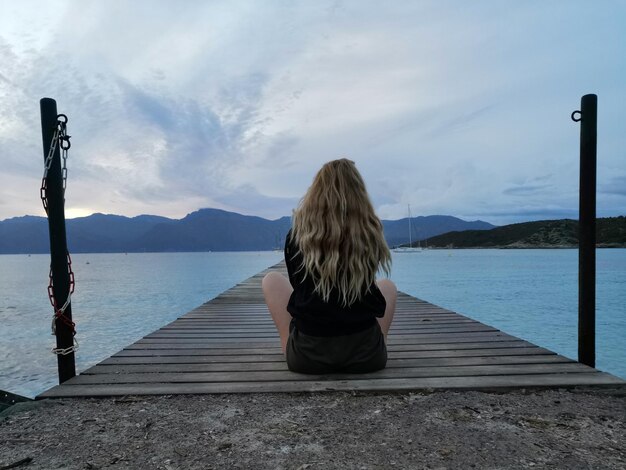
(249, 201)
(616, 186)
(525, 190)
(453, 109)
(455, 123)
(6, 80)
(539, 213)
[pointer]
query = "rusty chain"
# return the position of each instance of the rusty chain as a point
(61, 139)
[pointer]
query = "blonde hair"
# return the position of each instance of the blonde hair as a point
(339, 235)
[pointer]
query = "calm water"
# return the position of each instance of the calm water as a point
(531, 294)
(120, 298)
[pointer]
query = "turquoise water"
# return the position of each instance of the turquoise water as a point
(120, 298)
(531, 294)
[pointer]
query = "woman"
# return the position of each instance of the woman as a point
(332, 315)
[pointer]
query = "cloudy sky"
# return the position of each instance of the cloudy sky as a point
(453, 107)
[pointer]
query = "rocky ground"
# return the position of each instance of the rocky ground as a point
(521, 429)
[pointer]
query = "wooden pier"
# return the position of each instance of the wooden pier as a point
(230, 345)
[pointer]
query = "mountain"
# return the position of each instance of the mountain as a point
(102, 233)
(610, 232)
(28, 234)
(203, 230)
(425, 227)
(215, 230)
(112, 233)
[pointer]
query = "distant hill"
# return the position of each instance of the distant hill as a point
(610, 232)
(112, 233)
(214, 230)
(425, 227)
(203, 230)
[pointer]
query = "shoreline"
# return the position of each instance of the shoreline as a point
(577, 428)
(525, 247)
(495, 247)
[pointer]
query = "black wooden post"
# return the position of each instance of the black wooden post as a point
(587, 232)
(58, 241)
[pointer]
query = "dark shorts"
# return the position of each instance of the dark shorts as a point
(360, 352)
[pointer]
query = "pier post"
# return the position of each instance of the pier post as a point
(58, 241)
(587, 232)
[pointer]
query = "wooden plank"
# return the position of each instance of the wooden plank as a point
(284, 375)
(235, 356)
(258, 348)
(264, 315)
(282, 365)
(265, 319)
(203, 359)
(208, 344)
(461, 383)
(271, 329)
(211, 343)
(243, 335)
(219, 326)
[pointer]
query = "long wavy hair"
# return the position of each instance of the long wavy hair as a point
(339, 235)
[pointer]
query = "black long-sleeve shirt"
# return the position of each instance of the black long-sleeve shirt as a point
(312, 316)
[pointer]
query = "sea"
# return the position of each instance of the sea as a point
(119, 298)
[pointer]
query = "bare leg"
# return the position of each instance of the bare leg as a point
(390, 292)
(277, 290)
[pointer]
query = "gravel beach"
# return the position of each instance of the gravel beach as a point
(519, 429)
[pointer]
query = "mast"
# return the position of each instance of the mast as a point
(410, 240)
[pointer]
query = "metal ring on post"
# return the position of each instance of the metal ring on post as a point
(61, 122)
(65, 142)
(580, 116)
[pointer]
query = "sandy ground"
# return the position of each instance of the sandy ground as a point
(522, 429)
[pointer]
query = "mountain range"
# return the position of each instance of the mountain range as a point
(203, 230)
(610, 233)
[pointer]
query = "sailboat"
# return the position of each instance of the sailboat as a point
(410, 248)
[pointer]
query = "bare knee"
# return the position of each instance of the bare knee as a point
(276, 289)
(271, 280)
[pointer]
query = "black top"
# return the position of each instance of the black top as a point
(312, 316)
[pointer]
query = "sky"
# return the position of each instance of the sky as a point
(452, 107)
